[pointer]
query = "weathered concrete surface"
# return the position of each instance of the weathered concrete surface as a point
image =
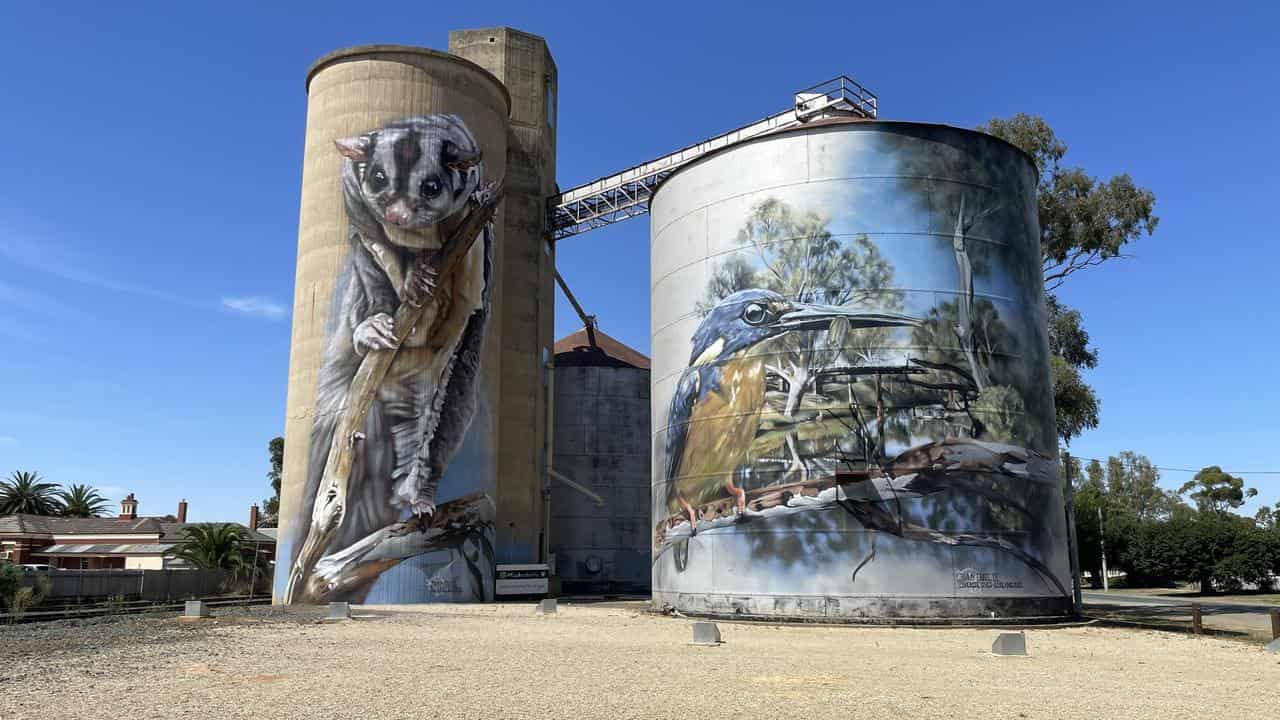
(350, 92)
(706, 633)
(524, 305)
(595, 662)
(1009, 644)
(195, 608)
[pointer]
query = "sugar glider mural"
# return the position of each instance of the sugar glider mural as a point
(398, 382)
(863, 422)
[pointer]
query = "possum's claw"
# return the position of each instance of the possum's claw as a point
(420, 284)
(419, 499)
(376, 332)
(424, 512)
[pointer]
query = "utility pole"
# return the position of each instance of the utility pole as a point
(253, 581)
(1102, 542)
(1073, 548)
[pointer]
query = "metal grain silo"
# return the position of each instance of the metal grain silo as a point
(852, 406)
(599, 500)
(391, 455)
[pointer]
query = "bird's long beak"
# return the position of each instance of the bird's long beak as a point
(809, 316)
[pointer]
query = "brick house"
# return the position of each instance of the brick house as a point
(125, 542)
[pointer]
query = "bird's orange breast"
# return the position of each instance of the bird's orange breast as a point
(722, 425)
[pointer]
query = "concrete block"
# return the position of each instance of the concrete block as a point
(706, 633)
(1010, 644)
(547, 607)
(196, 609)
(1273, 647)
(339, 611)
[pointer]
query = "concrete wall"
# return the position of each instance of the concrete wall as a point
(849, 330)
(355, 95)
(524, 64)
(602, 442)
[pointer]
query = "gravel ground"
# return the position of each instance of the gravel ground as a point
(597, 661)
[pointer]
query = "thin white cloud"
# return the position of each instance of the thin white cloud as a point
(61, 262)
(256, 306)
(111, 492)
(8, 441)
(57, 260)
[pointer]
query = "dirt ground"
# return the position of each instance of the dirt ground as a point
(598, 661)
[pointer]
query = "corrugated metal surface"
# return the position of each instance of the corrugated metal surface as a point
(601, 442)
(848, 327)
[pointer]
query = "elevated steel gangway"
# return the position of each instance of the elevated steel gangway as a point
(626, 194)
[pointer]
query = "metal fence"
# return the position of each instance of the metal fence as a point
(81, 586)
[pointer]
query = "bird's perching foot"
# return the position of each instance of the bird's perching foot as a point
(693, 516)
(739, 495)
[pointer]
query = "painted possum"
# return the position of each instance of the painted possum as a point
(401, 185)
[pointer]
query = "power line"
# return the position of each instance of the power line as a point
(1186, 470)
(1229, 472)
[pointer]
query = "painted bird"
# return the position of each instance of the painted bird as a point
(715, 411)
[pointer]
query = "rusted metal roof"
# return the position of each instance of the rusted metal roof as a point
(575, 349)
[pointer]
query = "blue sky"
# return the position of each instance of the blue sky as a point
(150, 160)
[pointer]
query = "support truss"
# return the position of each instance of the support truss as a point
(626, 194)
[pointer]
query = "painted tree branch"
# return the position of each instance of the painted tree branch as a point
(355, 567)
(913, 473)
(331, 497)
(877, 518)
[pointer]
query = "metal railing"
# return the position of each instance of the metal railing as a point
(626, 194)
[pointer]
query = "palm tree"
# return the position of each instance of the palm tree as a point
(82, 501)
(214, 546)
(26, 492)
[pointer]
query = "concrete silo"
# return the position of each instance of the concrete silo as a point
(852, 407)
(404, 352)
(599, 510)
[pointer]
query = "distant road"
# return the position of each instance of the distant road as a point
(1251, 618)
(1209, 605)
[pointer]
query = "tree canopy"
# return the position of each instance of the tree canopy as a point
(1084, 222)
(213, 546)
(271, 505)
(82, 501)
(1268, 517)
(1157, 539)
(27, 492)
(1215, 491)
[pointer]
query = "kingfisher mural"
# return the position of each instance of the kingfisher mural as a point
(862, 415)
(715, 413)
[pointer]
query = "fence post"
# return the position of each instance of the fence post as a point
(1073, 547)
(1275, 623)
(1197, 620)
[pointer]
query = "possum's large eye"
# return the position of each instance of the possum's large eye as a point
(430, 188)
(754, 313)
(377, 180)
